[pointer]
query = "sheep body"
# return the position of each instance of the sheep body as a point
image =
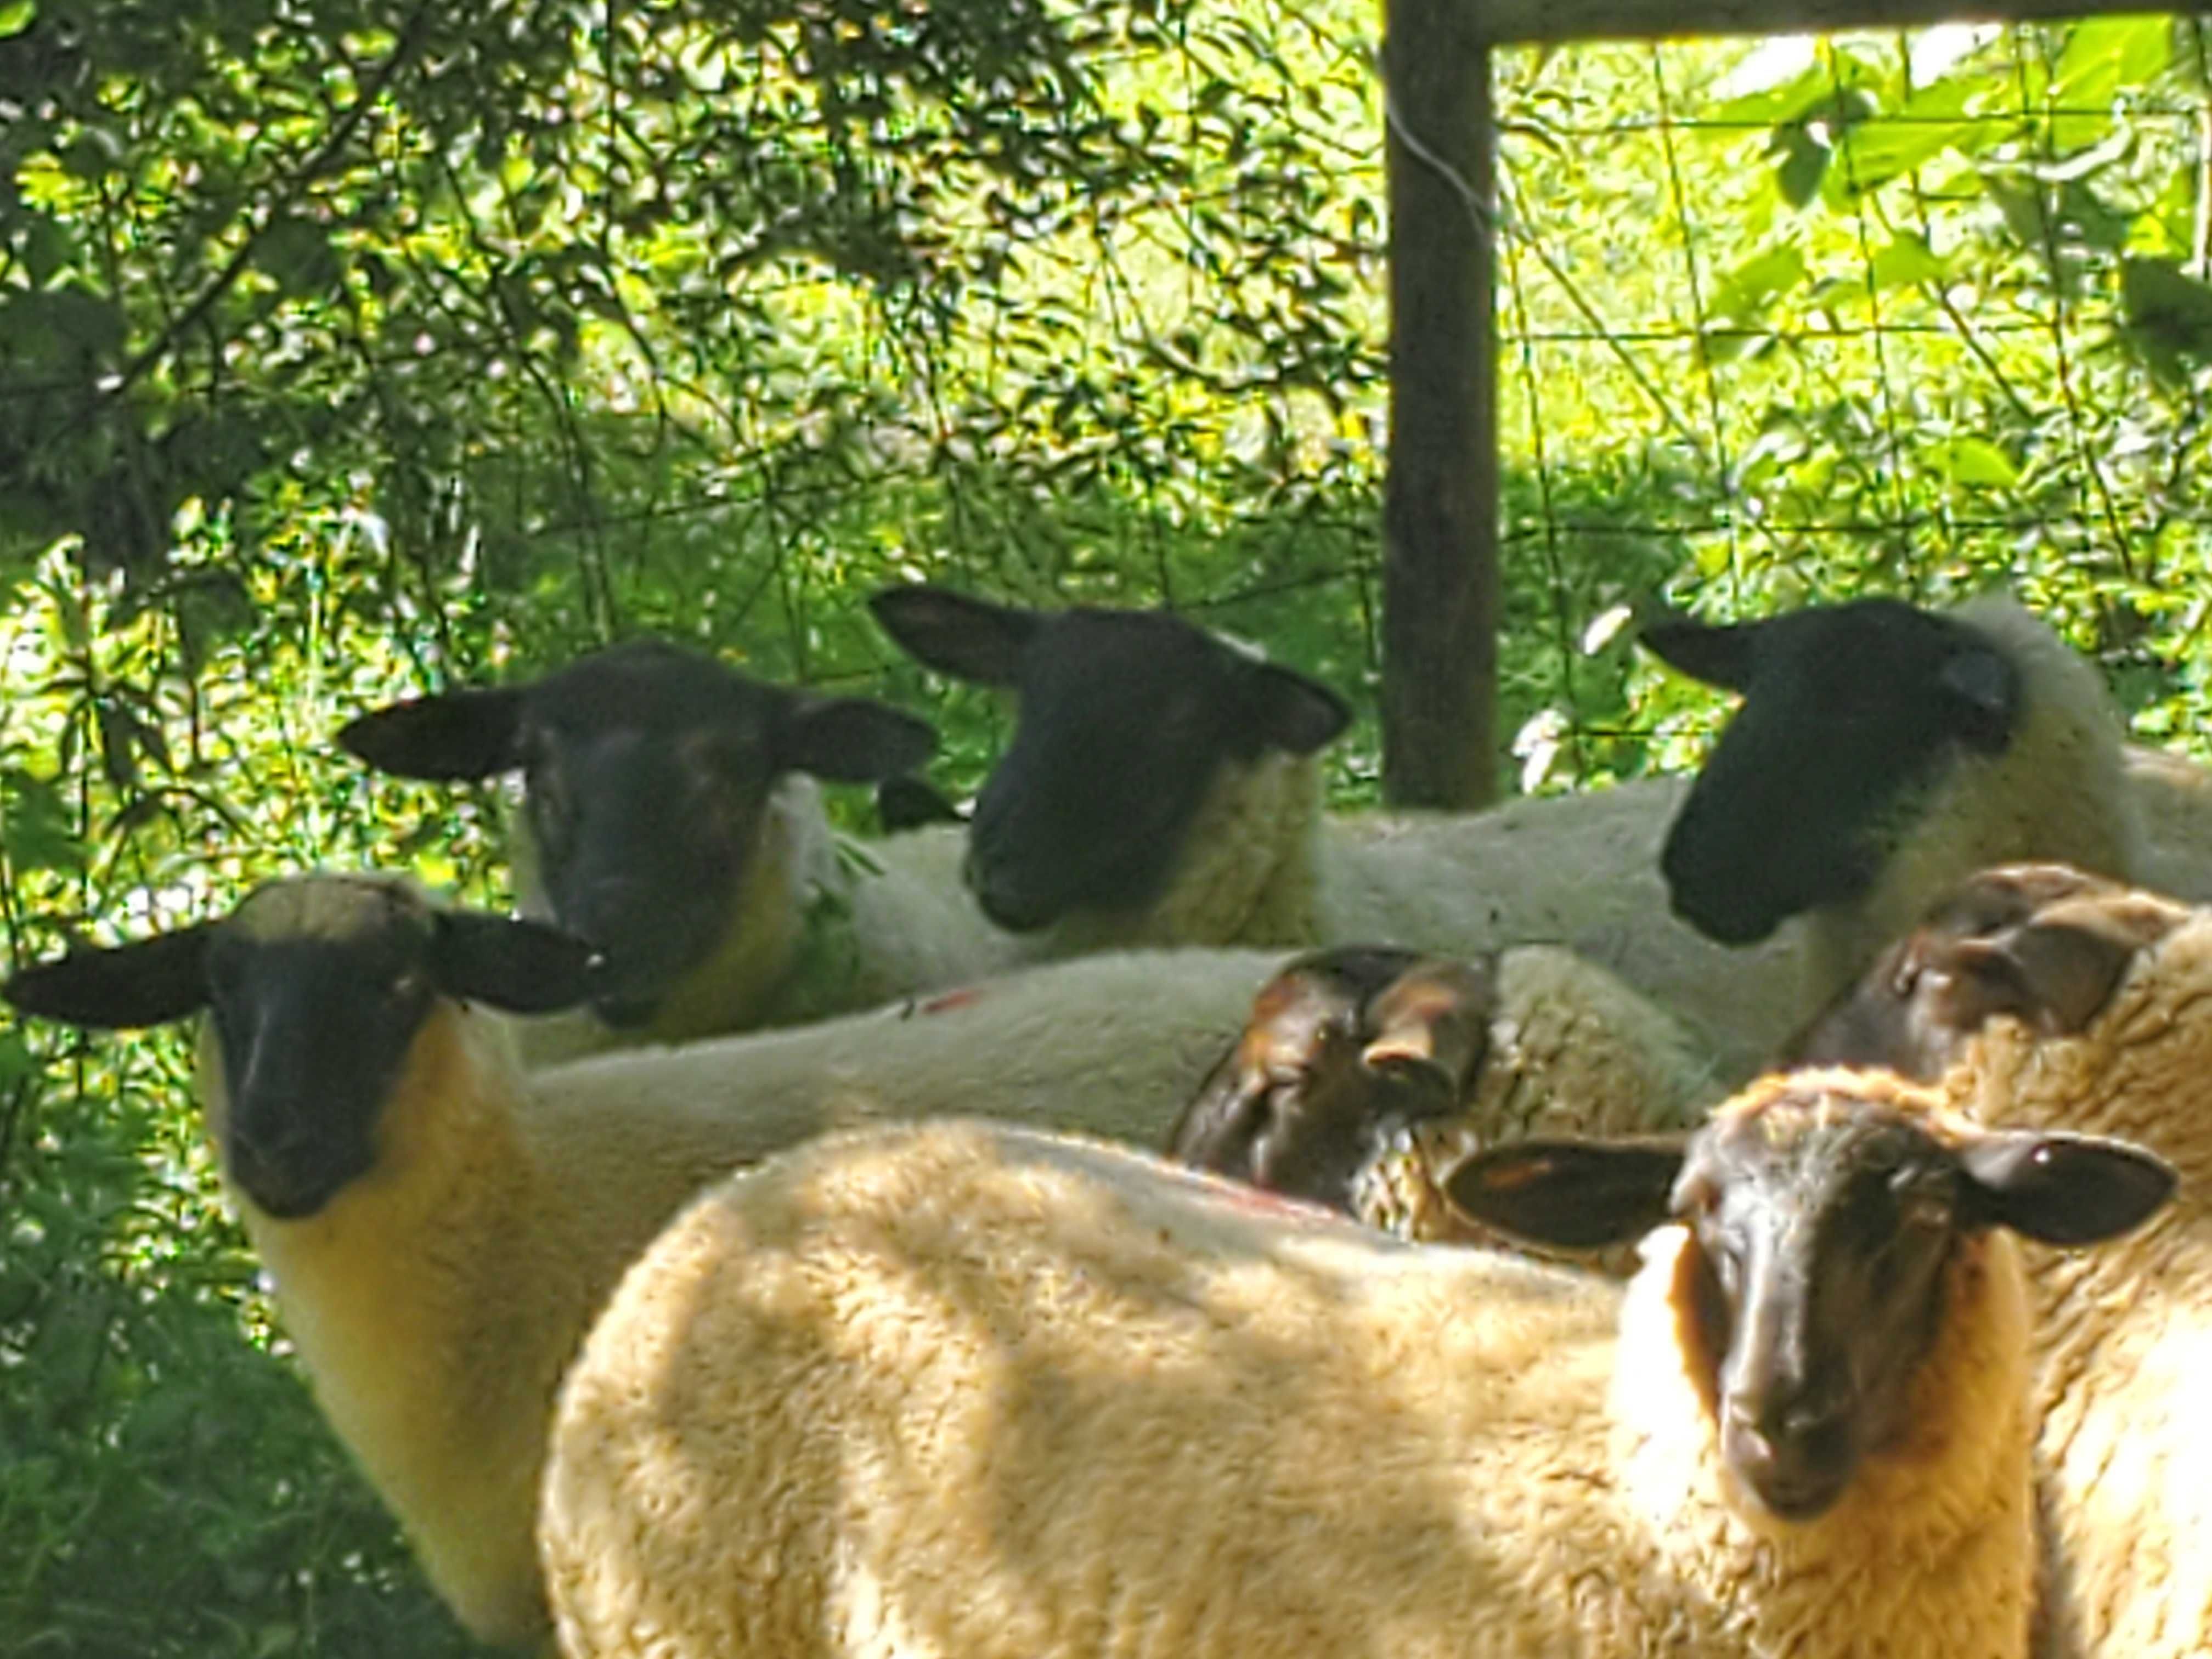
(2124, 1468)
(435, 1297)
(2172, 797)
(959, 1388)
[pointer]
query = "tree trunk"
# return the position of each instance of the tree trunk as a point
(1440, 495)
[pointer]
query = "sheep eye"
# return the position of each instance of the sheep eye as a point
(406, 985)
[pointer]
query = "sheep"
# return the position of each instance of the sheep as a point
(440, 1225)
(1882, 753)
(2043, 995)
(1981, 732)
(2172, 796)
(1365, 1071)
(670, 815)
(964, 1389)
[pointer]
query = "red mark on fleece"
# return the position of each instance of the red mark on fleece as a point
(945, 1001)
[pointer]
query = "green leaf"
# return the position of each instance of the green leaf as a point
(2106, 55)
(2169, 314)
(1977, 461)
(1804, 161)
(1906, 262)
(37, 832)
(297, 254)
(16, 16)
(16, 1059)
(1874, 152)
(1747, 291)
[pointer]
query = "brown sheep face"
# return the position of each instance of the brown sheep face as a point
(1345, 1048)
(2043, 944)
(1822, 1219)
(646, 772)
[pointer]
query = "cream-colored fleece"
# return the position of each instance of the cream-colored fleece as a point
(960, 1390)
(2124, 1331)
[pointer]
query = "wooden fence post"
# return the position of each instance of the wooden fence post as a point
(1440, 492)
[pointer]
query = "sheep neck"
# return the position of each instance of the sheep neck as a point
(1245, 875)
(2124, 1469)
(1934, 1528)
(2055, 793)
(432, 1305)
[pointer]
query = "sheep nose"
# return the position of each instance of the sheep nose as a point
(1002, 899)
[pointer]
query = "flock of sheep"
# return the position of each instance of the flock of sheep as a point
(1157, 1216)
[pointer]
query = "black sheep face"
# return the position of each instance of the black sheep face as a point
(647, 771)
(317, 989)
(1851, 715)
(1125, 720)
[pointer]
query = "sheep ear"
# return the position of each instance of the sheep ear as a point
(1715, 653)
(1981, 688)
(906, 803)
(2062, 1189)
(1577, 1195)
(2054, 976)
(150, 982)
(1288, 711)
(461, 734)
(523, 967)
(1433, 1019)
(969, 639)
(849, 739)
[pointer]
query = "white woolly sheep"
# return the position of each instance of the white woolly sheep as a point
(962, 1389)
(440, 1227)
(2062, 999)
(669, 816)
(1882, 754)
(1366, 1072)
(2173, 798)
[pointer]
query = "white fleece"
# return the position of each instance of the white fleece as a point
(1583, 871)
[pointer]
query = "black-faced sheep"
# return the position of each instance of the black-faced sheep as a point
(2058, 999)
(1882, 753)
(671, 817)
(967, 1389)
(440, 1225)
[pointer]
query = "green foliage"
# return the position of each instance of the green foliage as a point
(352, 348)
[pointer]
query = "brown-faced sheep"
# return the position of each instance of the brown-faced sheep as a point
(962, 1389)
(2055, 998)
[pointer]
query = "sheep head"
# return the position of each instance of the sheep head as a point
(1823, 1212)
(1344, 1048)
(1849, 712)
(1124, 720)
(2043, 944)
(645, 770)
(316, 988)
